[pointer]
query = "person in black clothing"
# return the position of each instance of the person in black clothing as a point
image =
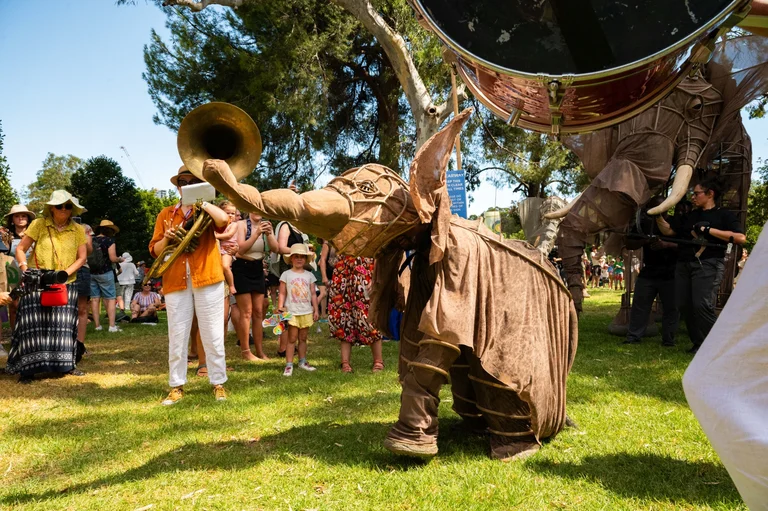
(657, 277)
(700, 268)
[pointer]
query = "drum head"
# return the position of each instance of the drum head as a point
(569, 36)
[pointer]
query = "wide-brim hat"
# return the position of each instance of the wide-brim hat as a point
(62, 197)
(109, 225)
(127, 257)
(182, 170)
(300, 249)
(20, 208)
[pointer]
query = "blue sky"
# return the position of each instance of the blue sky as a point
(70, 83)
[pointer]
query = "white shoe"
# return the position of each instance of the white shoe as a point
(3, 353)
(99, 328)
(115, 329)
(288, 371)
(307, 367)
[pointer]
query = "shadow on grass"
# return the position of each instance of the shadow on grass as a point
(649, 476)
(355, 445)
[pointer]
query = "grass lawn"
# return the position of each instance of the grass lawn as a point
(313, 441)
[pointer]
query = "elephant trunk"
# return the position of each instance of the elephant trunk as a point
(321, 212)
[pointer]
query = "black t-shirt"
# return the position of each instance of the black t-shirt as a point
(722, 219)
(658, 264)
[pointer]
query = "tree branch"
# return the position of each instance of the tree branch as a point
(445, 110)
(198, 6)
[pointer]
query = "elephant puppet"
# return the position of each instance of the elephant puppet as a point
(488, 315)
(631, 162)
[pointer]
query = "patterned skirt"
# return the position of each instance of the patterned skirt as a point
(348, 303)
(44, 340)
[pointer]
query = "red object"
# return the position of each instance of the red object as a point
(56, 296)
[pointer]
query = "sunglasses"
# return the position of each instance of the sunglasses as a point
(66, 206)
(184, 182)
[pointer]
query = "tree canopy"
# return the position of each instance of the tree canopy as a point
(320, 86)
(8, 196)
(757, 206)
(55, 174)
(108, 194)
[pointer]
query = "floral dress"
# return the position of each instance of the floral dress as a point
(348, 301)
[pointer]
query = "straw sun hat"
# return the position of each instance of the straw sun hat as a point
(62, 197)
(20, 208)
(182, 171)
(301, 249)
(110, 225)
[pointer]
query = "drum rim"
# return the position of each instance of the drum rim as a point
(466, 54)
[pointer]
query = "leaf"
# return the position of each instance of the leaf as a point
(150, 506)
(194, 493)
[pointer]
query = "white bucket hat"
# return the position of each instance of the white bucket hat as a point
(20, 208)
(62, 197)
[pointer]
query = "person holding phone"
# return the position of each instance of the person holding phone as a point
(256, 239)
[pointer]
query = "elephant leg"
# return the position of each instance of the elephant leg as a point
(464, 400)
(596, 210)
(415, 433)
(507, 415)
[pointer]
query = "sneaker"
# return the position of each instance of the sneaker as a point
(115, 329)
(76, 372)
(99, 328)
(306, 366)
(3, 353)
(219, 393)
(288, 371)
(174, 396)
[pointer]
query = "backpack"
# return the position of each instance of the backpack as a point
(98, 260)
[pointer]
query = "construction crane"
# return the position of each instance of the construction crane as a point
(135, 170)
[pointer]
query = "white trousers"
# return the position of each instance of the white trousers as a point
(126, 291)
(182, 306)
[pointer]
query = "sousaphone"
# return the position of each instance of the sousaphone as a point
(219, 131)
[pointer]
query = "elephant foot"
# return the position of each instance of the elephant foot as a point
(504, 450)
(413, 449)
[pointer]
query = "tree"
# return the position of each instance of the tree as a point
(55, 174)
(531, 162)
(8, 196)
(108, 194)
(312, 78)
(757, 206)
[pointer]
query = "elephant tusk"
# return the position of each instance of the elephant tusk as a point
(560, 213)
(679, 187)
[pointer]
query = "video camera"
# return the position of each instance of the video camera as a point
(38, 280)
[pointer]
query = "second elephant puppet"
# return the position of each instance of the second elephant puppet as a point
(489, 316)
(633, 161)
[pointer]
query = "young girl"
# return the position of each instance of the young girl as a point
(227, 242)
(297, 296)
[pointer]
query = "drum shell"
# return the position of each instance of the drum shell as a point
(563, 104)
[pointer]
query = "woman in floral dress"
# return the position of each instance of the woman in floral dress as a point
(348, 309)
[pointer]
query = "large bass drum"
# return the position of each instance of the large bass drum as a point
(571, 66)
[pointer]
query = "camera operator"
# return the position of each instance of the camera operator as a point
(44, 339)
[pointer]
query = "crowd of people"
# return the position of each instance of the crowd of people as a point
(245, 264)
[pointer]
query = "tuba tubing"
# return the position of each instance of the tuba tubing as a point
(175, 248)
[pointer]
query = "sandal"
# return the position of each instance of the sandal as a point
(345, 367)
(202, 370)
(378, 366)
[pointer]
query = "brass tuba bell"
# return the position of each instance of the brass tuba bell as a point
(219, 131)
(212, 131)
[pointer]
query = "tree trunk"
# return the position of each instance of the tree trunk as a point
(389, 122)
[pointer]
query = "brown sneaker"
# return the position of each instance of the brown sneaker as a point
(174, 396)
(219, 393)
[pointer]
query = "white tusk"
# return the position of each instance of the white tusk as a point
(560, 213)
(679, 187)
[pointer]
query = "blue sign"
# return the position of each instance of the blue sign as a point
(457, 191)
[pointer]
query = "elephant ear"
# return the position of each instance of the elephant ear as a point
(427, 182)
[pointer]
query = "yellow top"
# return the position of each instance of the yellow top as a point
(63, 253)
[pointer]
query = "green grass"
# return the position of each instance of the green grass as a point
(314, 441)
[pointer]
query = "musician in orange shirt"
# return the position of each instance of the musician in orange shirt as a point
(193, 288)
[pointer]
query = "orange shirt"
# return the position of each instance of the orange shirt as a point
(204, 262)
